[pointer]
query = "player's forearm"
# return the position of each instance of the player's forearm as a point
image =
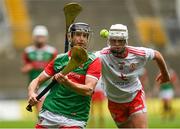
(26, 68)
(33, 86)
(161, 64)
(85, 90)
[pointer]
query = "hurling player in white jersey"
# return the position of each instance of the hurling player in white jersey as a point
(121, 65)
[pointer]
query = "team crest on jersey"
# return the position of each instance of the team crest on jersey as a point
(121, 65)
(133, 66)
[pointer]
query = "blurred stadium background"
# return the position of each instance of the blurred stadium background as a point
(152, 23)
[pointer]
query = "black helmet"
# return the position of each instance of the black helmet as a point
(78, 27)
(82, 27)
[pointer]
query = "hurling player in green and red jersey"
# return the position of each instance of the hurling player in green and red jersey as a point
(37, 56)
(68, 103)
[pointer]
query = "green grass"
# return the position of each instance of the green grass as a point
(154, 118)
(17, 124)
(154, 122)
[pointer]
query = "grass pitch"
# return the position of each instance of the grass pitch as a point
(154, 118)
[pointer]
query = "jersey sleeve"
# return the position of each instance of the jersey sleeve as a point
(25, 58)
(150, 53)
(94, 69)
(49, 69)
(97, 53)
(105, 50)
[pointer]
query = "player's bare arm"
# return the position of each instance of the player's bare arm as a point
(33, 86)
(86, 89)
(26, 68)
(164, 75)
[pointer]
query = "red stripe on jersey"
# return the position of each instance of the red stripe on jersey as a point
(95, 68)
(50, 68)
(105, 51)
(137, 52)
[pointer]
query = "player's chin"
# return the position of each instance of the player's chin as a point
(81, 45)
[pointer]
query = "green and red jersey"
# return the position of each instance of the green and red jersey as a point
(62, 99)
(39, 58)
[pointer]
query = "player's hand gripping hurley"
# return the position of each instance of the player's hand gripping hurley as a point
(78, 57)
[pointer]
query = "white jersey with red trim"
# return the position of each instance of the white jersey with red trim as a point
(120, 75)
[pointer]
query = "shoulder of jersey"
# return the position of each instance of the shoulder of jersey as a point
(92, 56)
(105, 51)
(61, 55)
(136, 50)
(30, 49)
(50, 49)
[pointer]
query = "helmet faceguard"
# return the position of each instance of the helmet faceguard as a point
(78, 27)
(118, 33)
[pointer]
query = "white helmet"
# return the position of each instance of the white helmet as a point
(40, 30)
(118, 31)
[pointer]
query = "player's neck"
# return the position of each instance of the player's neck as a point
(124, 54)
(39, 46)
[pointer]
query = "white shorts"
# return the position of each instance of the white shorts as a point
(47, 118)
(166, 94)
